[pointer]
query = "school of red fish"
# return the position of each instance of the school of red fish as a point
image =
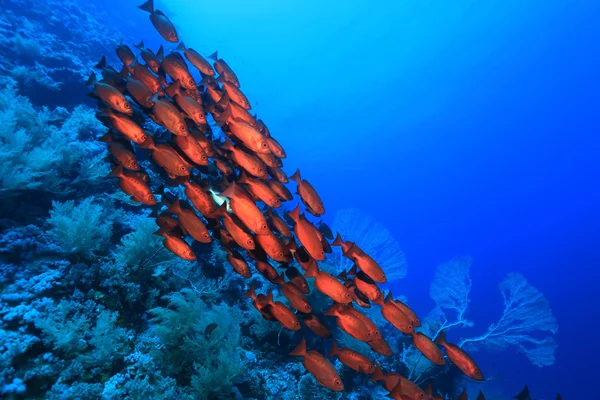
(226, 180)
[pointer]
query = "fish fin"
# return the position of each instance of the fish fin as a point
(441, 341)
(269, 299)
(378, 375)
(396, 392)
(250, 293)
(120, 42)
(147, 6)
(173, 89)
(160, 13)
(227, 145)
(154, 97)
(296, 176)
(214, 56)
(160, 53)
(124, 72)
(221, 210)
(117, 172)
(279, 280)
(295, 214)
(379, 300)
(388, 297)
(101, 64)
(334, 350)
(181, 46)
(140, 45)
(338, 240)
(174, 207)
(148, 144)
(300, 350)
(333, 310)
(160, 232)
(91, 80)
(107, 137)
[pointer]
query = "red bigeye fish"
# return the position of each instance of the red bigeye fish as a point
(284, 315)
(394, 315)
(202, 201)
(245, 132)
(168, 115)
(235, 228)
(297, 299)
(246, 210)
(297, 279)
(191, 148)
(362, 260)
(349, 323)
(277, 173)
(134, 186)
(314, 324)
(460, 358)
(381, 347)
(238, 263)
(190, 222)
(267, 271)
(190, 107)
(234, 93)
(111, 96)
(167, 157)
(260, 190)
(319, 367)
(428, 348)
(124, 53)
(260, 303)
(276, 148)
(278, 224)
(160, 21)
(176, 245)
(279, 188)
(152, 60)
(305, 232)
(196, 60)
(353, 359)
(140, 92)
(175, 66)
(223, 69)
(247, 162)
(121, 151)
(309, 195)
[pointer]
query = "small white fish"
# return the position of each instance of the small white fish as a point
(220, 200)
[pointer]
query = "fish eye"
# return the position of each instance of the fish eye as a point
(182, 128)
(182, 168)
(410, 326)
(191, 81)
(144, 137)
(150, 197)
(264, 145)
(206, 235)
(337, 382)
(203, 157)
(264, 227)
(347, 295)
(191, 253)
(376, 333)
(249, 241)
(280, 254)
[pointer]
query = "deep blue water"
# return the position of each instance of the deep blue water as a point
(467, 127)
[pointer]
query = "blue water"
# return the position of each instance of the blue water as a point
(467, 127)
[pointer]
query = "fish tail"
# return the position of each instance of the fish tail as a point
(396, 392)
(91, 80)
(173, 89)
(180, 46)
(338, 240)
(269, 299)
(124, 72)
(334, 350)
(107, 137)
(214, 56)
(101, 64)
(174, 207)
(300, 350)
(379, 300)
(148, 144)
(296, 176)
(160, 53)
(279, 280)
(332, 311)
(312, 270)
(117, 172)
(440, 339)
(160, 232)
(147, 6)
(295, 213)
(251, 293)
(140, 45)
(378, 375)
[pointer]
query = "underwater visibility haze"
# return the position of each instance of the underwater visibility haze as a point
(310, 199)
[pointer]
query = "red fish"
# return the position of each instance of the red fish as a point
(267, 271)
(260, 303)
(191, 148)
(177, 246)
(152, 60)
(362, 260)
(260, 190)
(234, 93)
(349, 323)
(223, 69)
(168, 115)
(111, 96)
(236, 229)
(196, 60)
(126, 126)
(245, 209)
(428, 348)
(202, 201)
(353, 359)
(121, 151)
(309, 195)
(305, 232)
(319, 367)
(460, 358)
(166, 157)
(328, 285)
(394, 315)
(139, 92)
(277, 173)
(134, 186)
(247, 162)
(189, 221)
(380, 347)
(160, 21)
(238, 263)
(297, 299)
(190, 107)
(314, 324)
(284, 315)
(297, 279)
(273, 247)
(278, 224)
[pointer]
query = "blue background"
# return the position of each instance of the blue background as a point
(466, 127)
